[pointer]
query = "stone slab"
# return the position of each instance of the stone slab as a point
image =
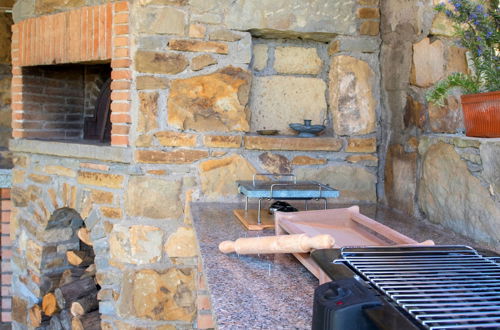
(72, 150)
(255, 142)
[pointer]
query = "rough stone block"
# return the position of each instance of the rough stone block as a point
(150, 82)
(201, 61)
(368, 13)
(260, 56)
(59, 170)
(361, 145)
(176, 139)
(224, 35)
(279, 100)
(152, 197)
(354, 44)
(197, 31)
(297, 60)
(218, 175)
(148, 112)
(319, 20)
(182, 244)
(159, 62)
(428, 65)
(198, 46)
(159, 295)
(161, 20)
(448, 118)
(222, 141)
(111, 212)
(136, 244)
(354, 183)
(400, 178)
(368, 160)
(254, 142)
(472, 211)
(274, 163)
(351, 96)
(213, 102)
(306, 160)
(183, 156)
(369, 28)
(100, 179)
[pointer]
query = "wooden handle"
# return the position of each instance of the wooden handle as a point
(299, 243)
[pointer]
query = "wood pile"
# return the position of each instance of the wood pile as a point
(72, 303)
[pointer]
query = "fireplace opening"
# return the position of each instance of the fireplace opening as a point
(66, 102)
(69, 290)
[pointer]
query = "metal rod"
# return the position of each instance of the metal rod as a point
(467, 326)
(437, 315)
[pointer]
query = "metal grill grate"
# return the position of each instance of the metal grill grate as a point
(442, 287)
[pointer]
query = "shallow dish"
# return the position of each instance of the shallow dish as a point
(267, 132)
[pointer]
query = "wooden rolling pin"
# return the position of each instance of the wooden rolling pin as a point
(298, 243)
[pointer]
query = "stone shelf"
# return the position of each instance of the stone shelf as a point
(283, 142)
(72, 150)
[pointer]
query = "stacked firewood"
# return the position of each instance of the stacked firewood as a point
(72, 304)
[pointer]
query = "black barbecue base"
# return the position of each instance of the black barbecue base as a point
(364, 309)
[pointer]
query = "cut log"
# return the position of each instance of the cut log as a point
(65, 319)
(55, 323)
(89, 271)
(80, 258)
(85, 304)
(84, 236)
(71, 292)
(91, 321)
(70, 275)
(49, 304)
(36, 317)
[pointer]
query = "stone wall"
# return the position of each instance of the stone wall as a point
(201, 83)
(443, 182)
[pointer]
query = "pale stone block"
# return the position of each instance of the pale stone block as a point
(297, 60)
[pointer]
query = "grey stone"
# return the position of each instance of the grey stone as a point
(354, 183)
(318, 20)
(154, 20)
(72, 150)
(450, 195)
(23, 9)
(351, 96)
(277, 101)
(358, 44)
(260, 57)
(490, 155)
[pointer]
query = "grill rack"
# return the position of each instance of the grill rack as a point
(441, 287)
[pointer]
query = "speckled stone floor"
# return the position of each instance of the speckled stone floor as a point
(276, 291)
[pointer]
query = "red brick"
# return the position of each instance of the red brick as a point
(205, 321)
(203, 302)
(120, 96)
(95, 33)
(121, 29)
(16, 70)
(5, 228)
(119, 140)
(120, 129)
(120, 41)
(5, 193)
(121, 6)
(17, 134)
(120, 118)
(121, 74)
(120, 107)
(120, 52)
(109, 33)
(6, 317)
(117, 85)
(123, 63)
(6, 278)
(121, 18)
(5, 290)
(102, 32)
(6, 303)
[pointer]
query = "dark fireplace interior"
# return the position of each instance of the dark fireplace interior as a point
(67, 102)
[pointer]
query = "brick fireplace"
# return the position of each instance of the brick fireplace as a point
(56, 57)
(191, 84)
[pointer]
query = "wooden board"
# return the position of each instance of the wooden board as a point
(249, 219)
(347, 226)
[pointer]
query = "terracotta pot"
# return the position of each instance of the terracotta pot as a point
(482, 114)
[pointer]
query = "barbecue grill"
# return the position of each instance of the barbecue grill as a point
(431, 287)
